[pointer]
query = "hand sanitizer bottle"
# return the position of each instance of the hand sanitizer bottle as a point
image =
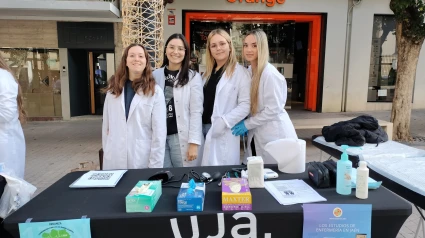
(361, 181)
(343, 173)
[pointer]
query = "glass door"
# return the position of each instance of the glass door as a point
(100, 70)
(281, 42)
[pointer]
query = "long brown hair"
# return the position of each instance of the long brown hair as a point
(146, 83)
(19, 99)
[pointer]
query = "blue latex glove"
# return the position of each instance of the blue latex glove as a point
(239, 129)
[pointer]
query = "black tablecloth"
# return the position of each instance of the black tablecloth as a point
(106, 209)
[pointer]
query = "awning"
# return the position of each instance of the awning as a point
(59, 10)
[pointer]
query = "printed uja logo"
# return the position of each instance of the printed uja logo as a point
(251, 226)
(337, 212)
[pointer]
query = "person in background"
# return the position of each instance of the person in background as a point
(226, 100)
(184, 99)
(12, 116)
(134, 128)
(268, 120)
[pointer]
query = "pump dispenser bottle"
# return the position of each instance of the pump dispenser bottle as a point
(343, 173)
(361, 180)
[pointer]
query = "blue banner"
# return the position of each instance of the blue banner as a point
(337, 220)
(77, 228)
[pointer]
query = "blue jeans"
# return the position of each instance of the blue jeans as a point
(173, 155)
(205, 129)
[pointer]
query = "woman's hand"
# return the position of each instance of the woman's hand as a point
(192, 152)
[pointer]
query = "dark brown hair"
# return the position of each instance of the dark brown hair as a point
(183, 77)
(146, 83)
(19, 99)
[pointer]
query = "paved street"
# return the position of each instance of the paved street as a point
(55, 148)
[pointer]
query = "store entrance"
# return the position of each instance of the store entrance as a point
(89, 72)
(294, 44)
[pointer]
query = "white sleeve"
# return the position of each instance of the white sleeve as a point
(159, 130)
(196, 107)
(244, 101)
(8, 95)
(274, 98)
(105, 122)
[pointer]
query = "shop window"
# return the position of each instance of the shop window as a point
(383, 60)
(37, 71)
(281, 40)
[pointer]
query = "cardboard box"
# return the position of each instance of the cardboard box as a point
(235, 194)
(144, 196)
(193, 202)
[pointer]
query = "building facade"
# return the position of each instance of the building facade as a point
(62, 52)
(336, 59)
(335, 56)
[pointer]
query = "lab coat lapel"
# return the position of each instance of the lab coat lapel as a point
(223, 81)
(136, 99)
(122, 97)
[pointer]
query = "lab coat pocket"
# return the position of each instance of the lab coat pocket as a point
(230, 91)
(145, 113)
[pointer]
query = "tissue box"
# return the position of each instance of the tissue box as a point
(191, 202)
(235, 194)
(144, 196)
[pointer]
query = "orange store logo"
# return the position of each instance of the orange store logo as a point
(269, 3)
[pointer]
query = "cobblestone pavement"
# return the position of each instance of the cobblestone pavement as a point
(55, 148)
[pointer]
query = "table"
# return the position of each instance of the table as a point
(408, 194)
(2, 186)
(319, 123)
(106, 209)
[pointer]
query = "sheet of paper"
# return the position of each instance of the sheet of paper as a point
(288, 192)
(337, 220)
(76, 228)
(382, 93)
(92, 179)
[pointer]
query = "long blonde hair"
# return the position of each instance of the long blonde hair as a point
(19, 99)
(229, 67)
(262, 60)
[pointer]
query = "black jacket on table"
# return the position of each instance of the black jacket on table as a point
(355, 132)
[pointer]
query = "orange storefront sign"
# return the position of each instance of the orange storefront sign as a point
(269, 3)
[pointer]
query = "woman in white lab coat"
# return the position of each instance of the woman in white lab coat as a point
(226, 100)
(134, 130)
(268, 120)
(12, 115)
(183, 97)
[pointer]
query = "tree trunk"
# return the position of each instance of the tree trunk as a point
(408, 53)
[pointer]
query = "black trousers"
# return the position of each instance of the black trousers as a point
(253, 147)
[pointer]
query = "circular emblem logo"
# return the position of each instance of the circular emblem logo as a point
(146, 207)
(337, 212)
(235, 187)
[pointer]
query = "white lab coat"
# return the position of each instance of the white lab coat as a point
(232, 102)
(12, 141)
(188, 102)
(271, 121)
(138, 142)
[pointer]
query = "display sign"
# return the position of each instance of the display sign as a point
(337, 220)
(76, 228)
(171, 17)
(269, 3)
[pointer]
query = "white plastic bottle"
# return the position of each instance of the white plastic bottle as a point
(361, 181)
